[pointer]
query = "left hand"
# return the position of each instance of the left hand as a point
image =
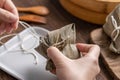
(8, 16)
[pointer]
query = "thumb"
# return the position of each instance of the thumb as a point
(56, 56)
(7, 16)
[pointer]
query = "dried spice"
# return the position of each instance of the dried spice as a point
(112, 29)
(64, 39)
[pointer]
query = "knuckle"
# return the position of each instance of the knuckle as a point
(96, 46)
(6, 15)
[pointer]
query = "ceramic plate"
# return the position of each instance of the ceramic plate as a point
(20, 64)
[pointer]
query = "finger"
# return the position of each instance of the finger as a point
(6, 16)
(83, 47)
(53, 71)
(8, 5)
(2, 3)
(11, 7)
(56, 55)
(94, 51)
(15, 25)
(2, 28)
(83, 53)
(9, 28)
(89, 49)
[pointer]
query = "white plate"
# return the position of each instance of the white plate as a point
(21, 65)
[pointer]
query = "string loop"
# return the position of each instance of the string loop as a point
(34, 34)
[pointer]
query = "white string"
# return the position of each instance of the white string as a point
(116, 29)
(25, 25)
(32, 31)
(29, 50)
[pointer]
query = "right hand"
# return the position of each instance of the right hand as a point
(8, 16)
(84, 68)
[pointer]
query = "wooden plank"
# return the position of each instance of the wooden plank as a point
(111, 60)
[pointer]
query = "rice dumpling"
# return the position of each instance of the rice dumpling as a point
(112, 29)
(64, 39)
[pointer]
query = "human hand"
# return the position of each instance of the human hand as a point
(84, 68)
(8, 16)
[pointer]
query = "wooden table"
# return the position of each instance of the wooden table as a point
(57, 18)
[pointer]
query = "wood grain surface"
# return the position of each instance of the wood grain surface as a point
(110, 58)
(101, 6)
(57, 18)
